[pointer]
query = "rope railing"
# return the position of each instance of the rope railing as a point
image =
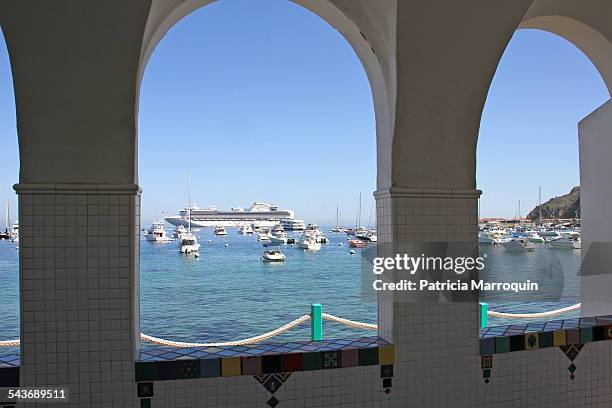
(349, 323)
(250, 340)
(485, 313)
(316, 318)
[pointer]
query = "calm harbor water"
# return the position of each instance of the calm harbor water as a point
(230, 293)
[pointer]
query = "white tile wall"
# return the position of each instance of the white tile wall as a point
(79, 285)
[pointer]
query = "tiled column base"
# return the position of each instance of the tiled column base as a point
(435, 342)
(79, 290)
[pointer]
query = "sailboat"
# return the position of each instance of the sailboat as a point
(6, 234)
(337, 228)
(188, 242)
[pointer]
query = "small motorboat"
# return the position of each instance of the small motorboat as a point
(220, 230)
(5, 235)
(308, 242)
(356, 243)
(273, 256)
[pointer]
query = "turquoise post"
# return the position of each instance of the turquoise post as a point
(316, 322)
(484, 316)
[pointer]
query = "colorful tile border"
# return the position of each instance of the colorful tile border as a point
(534, 336)
(9, 370)
(161, 363)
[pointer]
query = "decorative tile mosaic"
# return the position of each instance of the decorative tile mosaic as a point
(486, 364)
(533, 336)
(163, 363)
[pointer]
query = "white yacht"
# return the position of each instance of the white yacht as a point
(366, 235)
(292, 224)
(273, 255)
(220, 230)
(179, 231)
(263, 236)
(308, 242)
(314, 231)
(278, 238)
(534, 237)
(566, 243)
(518, 245)
(157, 233)
(245, 229)
(189, 244)
(492, 237)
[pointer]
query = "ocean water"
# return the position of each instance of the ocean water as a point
(229, 293)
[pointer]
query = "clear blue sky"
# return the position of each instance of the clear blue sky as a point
(265, 101)
(528, 135)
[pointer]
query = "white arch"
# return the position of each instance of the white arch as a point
(164, 14)
(591, 42)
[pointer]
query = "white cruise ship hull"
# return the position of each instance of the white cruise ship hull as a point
(177, 220)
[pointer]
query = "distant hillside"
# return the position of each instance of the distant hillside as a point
(565, 206)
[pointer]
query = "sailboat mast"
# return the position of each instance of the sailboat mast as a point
(540, 204)
(337, 216)
(189, 197)
(359, 212)
(7, 211)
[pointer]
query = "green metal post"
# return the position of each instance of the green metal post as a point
(316, 322)
(484, 316)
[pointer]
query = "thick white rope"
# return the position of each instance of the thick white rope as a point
(534, 315)
(349, 323)
(250, 340)
(302, 319)
(9, 343)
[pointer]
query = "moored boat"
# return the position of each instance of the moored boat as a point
(245, 229)
(518, 245)
(189, 244)
(356, 243)
(273, 255)
(566, 243)
(220, 230)
(308, 242)
(157, 233)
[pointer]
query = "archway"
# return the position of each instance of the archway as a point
(9, 256)
(217, 167)
(596, 53)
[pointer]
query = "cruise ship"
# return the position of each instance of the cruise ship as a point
(260, 214)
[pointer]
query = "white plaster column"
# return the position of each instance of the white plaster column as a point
(595, 147)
